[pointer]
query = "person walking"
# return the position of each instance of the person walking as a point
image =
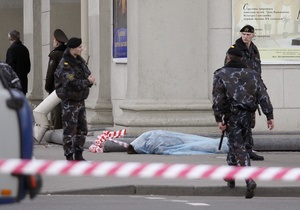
(237, 90)
(251, 58)
(59, 43)
(73, 80)
(17, 56)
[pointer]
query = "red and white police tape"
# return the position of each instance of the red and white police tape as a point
(97, 146)
(145, 170)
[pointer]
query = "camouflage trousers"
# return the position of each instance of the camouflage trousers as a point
(74, 126)
(250, 143)
(239, 134)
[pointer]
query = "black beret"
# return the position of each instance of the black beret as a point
(248, 29)
(74, 42)
(60, 36)
(234, 51)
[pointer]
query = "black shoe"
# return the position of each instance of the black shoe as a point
(69, 156)
(230, 183)
(255, 156)
(78, 155)
(251, 185)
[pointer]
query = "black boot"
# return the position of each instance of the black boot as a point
(70, 156)
(250, 186)
(255, 156)
(78, 155)
(230, 183)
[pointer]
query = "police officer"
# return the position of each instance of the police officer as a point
(55, 56)
(73, 80)
(11, 78)
(251, 58)
(237, 90)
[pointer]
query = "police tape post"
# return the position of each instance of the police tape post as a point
(145, 170)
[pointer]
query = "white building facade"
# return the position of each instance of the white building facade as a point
(173, 49)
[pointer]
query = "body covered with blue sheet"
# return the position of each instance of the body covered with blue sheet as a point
(175, 143)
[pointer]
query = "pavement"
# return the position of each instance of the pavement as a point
(285, 153)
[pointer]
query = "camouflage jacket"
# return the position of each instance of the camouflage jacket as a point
(251, 56)
(11, 78)
(71, 75)
(237, 87)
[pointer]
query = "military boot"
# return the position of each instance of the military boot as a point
(255, 156)
(230, 183)
(78, 155)
(250, 186)
(70, 156)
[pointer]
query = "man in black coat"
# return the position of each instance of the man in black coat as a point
(17, 56)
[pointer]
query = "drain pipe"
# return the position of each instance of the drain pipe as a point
(40, 115)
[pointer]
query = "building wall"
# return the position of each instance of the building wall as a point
(167, 68)
(154, 51)
(174, 47)
(11, 17)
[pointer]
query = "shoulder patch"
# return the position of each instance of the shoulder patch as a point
(66, 66)
(71, 76)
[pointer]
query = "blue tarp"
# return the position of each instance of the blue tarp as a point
(174, 143)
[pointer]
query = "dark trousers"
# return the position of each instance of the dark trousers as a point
(239, 133)
(55, 120)
(74, 126)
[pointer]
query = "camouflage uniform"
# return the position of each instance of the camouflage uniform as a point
(72, 86)
(10, 76)
(251, 58)
(236, 92)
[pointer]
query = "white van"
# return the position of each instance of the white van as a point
(16, 141)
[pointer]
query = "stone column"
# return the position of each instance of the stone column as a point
(219, 38)
(99, 108)
(167, 68)
(34, 32)
(84, 28)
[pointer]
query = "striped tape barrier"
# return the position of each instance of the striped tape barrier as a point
(97, 146)
(145, 170)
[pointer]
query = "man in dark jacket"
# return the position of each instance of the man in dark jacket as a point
(73, 80)
(55, 56)
(17, 56)
(237, 90)
(251, 56)
(251, 59)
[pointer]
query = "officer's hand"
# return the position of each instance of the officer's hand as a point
(91, 79)
(270, 124)
(221, 126)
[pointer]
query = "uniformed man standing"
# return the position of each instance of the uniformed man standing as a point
(55, 56)
(73, 80)
(237, 90)
(251, 58)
